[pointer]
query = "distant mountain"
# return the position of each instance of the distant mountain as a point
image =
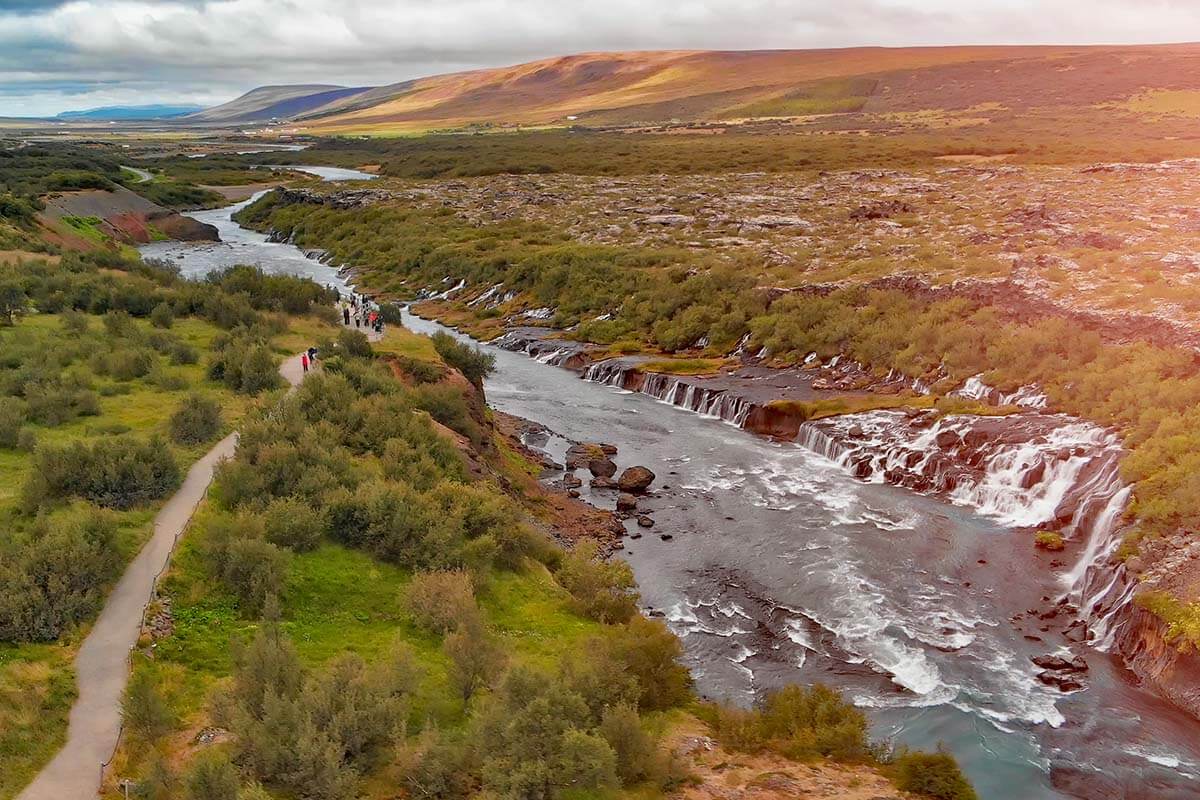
(274, 102)
(124, 113)
(632, 88)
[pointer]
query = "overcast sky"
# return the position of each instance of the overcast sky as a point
(57, 56)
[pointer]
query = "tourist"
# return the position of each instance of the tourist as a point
(346, 315)
(304, 361)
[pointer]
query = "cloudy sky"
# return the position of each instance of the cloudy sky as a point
(57, 56)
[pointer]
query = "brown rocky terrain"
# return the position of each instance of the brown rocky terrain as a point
(631, 88)
(125, 216)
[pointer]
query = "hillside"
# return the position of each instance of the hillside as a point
(270, 102)
(630, 88)
(143, 112)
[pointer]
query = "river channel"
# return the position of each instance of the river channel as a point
(782, 567)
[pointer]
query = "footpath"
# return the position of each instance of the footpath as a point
(102, 664)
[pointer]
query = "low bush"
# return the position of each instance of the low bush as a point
(1049, 540)
(119, 473)
(54, 577)
(935, 775)
(472, 362)
(245, 365)
(312, 734)
(212, 777)
(197, 420)
(143, 709)
(14, 413)
(799, 722)
(476, 658)
(293, 523)
(441, 601)
(600, 590)
(161, 316)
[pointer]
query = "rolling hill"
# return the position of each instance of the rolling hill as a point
(273, 102)
(144, 112)
(634, 88)
(654, 87)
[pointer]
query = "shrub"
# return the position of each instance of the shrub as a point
(212, 777)
(600, 590)
(420, 371)
(167, 380)
(14, 412)
(537, 741)
(143, 709)
(294, 523)
(311, 735)
(799, 722)
(27, 440)
(634, 749)
(120, 473)
(475, 657)
(53, 579)
(119, 324)
(1049, 540)
(441, 601)
(246, 366)
(161, 782)
(254, 570)
(353, 344)
(650, 653)
(446, 404)
(443, 772)
(472, 362)
(182, 353)
(161, 316)
(75, 322)
(125, 364)
(197, 420)
(935, 775)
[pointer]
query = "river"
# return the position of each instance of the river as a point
(782, 567)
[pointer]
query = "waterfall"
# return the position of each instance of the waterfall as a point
(1025, 470)
(715, 403)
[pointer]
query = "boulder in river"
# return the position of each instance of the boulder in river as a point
(1060, 664)
(602, 467)
(635, 480)
(645, 522)
(1064, 683)
(626, 502)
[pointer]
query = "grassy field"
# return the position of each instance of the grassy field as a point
(36, 680)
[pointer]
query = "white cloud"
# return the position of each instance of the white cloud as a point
(64, 55)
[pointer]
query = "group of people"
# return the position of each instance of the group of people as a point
(308, 358)
(364, 314)
(357, 309)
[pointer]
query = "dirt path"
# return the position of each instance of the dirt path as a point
(102, 664)
(143, 175)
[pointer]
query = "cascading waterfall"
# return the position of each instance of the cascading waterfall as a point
(1026, 470)
(715, 403)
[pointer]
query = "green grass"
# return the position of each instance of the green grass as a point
(36, 680)
(37, 688)
(87, 227)
(684, 366)
(398, 341)
(340, 600)
(1181, 618)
